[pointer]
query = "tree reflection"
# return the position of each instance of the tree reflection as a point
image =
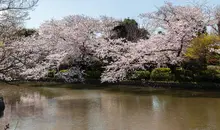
(98, 110)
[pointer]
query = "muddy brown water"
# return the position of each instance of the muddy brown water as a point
(66, 108)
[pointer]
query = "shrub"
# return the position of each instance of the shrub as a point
(208, 75)
(218, 77)
(51, 73)
(93, 74)
(161, 74)
(63, 71)
(214, 67)
(184, 75)
(143, 74)
(199, 52)
(212, 74)
(213, 59)
(193, 65)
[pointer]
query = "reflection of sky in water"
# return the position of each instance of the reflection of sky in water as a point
(158, 104)
(155, 103)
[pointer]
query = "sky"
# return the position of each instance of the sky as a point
(57, 9)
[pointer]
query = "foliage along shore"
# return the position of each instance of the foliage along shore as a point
(96, 84)
(156, 78)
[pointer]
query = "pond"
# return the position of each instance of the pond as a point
(71, 108)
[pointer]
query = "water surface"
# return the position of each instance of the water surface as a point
(64, 108)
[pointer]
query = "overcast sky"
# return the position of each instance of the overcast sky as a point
(48, 9)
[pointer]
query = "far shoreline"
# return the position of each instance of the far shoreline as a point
(96, 84)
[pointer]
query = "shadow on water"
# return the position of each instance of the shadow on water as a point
(185, 92)
(1, 114)
(149, 91)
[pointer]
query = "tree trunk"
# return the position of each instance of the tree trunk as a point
(173, 71)
(218, 27)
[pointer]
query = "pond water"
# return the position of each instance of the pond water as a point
(66, 108)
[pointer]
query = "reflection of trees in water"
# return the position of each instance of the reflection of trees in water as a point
(159, 112)
(186, 113)
(199, 113)
(30, 104)
(78, 111)
(83, 110)
(72, 113)
(125, 111)
(1, 114)
(21, 103)
(13, 94)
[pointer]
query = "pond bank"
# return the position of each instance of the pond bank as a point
(170, 85)
(90, 84)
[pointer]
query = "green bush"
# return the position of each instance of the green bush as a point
(214, 67)
(63, 71)
(194, 65)
(213, 59)
(211, 74)
(162, 74)
(51, 73)
(208, 75)
(138, 75)
(93, 74)
(218, 77)
(184, 75)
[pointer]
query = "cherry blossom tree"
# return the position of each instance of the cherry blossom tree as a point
(12, 15)
(216, 26)
(180, 24)
(17, 57)
(70, 44)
